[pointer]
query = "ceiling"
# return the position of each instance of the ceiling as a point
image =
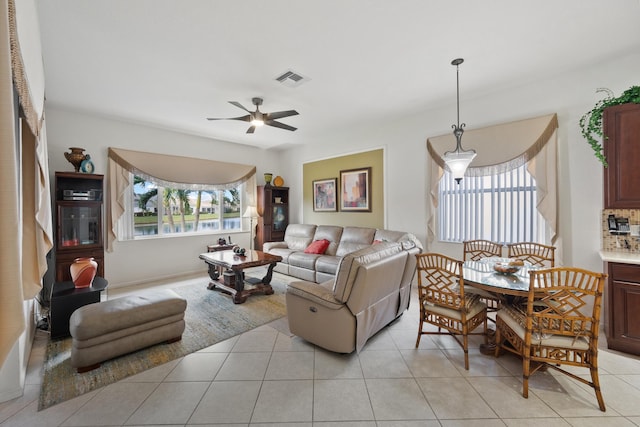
(172, 63)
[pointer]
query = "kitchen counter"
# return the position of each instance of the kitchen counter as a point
(621, 257)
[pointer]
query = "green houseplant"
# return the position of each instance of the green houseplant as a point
(591, 121)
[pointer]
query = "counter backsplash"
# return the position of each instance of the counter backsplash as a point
(620, 243)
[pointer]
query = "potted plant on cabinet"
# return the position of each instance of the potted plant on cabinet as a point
(591, 121)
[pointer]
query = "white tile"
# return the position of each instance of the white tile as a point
(383, 364)
(380, 341)
(429, 363)
(341, 400)
(504, 396)
(227, 402)
(291, 365)
(244, 366)
(472, 423)
(454, 398)
(51, 417)
(30, 394)
(256, 340)
(398, 399)
(600, 422)
(197, 367)
(170, 403)
(329, 365)
(113, 405)
(284, 401)
(292, 343)
(536, 422)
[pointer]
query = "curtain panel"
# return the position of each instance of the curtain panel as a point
(186, 173)
(26, 224)
(501, 148)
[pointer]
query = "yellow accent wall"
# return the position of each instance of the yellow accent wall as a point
(330, 168)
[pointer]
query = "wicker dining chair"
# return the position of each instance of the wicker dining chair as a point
(537, 254)
(475, 250)
(558, 326)
(443, 301)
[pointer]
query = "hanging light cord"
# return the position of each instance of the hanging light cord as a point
(458, 129)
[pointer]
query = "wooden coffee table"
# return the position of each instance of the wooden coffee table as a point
(232, 266)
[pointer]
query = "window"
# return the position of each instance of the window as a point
(500, 208)
(158, 210)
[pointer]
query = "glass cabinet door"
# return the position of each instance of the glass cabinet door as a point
(280, 217)
(79, 225)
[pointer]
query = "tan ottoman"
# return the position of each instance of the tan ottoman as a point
(119, 326)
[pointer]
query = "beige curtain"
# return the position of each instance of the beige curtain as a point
(24, 194)
(502, 148)
(166, 170)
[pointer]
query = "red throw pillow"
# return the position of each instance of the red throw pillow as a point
(317, 247)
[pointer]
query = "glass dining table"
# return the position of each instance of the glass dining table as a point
(481, 275)
(510, 288)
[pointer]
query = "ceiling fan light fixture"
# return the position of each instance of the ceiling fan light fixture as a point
(257, 121)
(458, 161)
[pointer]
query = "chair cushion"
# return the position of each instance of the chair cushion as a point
(476, 307)
(515, 319)
(317, 247)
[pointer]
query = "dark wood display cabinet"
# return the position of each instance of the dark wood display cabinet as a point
(66, 298)
(621, 127)
(78, 231)
(623, 329)
(273, 208)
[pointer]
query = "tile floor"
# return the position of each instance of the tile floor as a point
(266, 377)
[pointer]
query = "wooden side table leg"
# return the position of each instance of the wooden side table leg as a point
(239, 297)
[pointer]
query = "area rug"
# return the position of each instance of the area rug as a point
(211, 317)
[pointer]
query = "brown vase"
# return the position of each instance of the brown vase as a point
(75, 157)
(83, 270)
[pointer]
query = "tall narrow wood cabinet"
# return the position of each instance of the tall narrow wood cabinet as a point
(78, 229)
(623, 329)
(621, 127)
(273, 208)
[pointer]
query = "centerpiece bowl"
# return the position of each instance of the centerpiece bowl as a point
(508, 266)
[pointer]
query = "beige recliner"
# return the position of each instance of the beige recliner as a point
(371, 288)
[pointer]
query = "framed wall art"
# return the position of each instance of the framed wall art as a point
(355, 189)
(325, 195)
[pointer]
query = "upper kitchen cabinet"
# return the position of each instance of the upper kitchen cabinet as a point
(621, 127)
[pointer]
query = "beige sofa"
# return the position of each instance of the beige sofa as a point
(371, 289)
(342, 241)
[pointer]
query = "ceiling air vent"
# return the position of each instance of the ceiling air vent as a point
(291, 78)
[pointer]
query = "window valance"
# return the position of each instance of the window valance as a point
(182, 172)
(500, 147)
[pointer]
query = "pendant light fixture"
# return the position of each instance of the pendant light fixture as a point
(457, 161)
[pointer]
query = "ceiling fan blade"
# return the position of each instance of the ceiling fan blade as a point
(237, 104)
(246, 118)
(281, 114)
(279, 125)
(251, 129)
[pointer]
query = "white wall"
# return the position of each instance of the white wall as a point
(580, 174)
(135, 262)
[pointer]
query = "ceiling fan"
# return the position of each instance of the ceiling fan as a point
(258, 118)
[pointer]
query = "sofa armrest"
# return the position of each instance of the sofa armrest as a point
(319, 293)
(267, 246)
